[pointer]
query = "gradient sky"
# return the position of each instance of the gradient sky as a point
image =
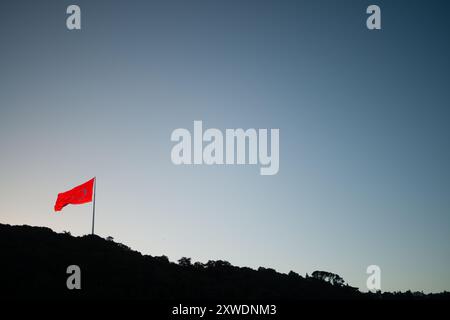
(363, 115)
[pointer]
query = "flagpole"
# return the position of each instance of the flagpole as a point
(93, 206)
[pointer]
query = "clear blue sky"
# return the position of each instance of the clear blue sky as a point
(364, 128)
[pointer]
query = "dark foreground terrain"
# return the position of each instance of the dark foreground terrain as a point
(34, 262)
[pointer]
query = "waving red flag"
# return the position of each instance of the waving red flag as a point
(78, 195)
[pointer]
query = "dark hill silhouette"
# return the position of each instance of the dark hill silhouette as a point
(34, 262)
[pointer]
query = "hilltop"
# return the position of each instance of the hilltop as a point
(34, 261)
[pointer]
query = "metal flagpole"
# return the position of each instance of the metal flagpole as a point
(93, 206)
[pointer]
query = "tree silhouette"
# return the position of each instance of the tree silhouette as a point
(332, 278)
(185, 262)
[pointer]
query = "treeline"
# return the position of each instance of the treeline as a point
(34, 261)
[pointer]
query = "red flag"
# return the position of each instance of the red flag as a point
(78, 195)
